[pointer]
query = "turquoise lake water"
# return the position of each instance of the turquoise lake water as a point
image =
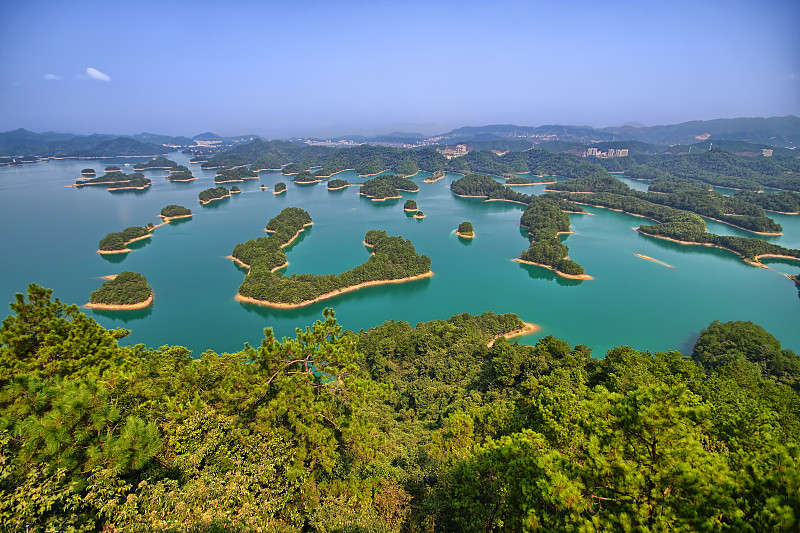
(50, 235)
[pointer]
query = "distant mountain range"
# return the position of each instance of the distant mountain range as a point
(767, 132)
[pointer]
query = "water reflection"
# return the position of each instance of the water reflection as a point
(537, 272)
(114, 258)
(125, 316)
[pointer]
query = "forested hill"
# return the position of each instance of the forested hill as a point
(398, 428)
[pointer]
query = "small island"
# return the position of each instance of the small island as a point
(235, 189)
(419, 215)
(410, 206)
(113, 168)
(515, 180)
(172, 212)
(88, 172)
(125, 291)
(386, 187)
(280, 187)
(336, 184)
(116, 180)
(304, 176)
(215, 193)
(181, 175)
(465, 230)
(225, 175)
(157, 163)
(116, 243)
(437, 175)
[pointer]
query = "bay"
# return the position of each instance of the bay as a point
(50, 235)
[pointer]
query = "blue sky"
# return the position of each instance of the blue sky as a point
(326, 68)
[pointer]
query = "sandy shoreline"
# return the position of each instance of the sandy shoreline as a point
(464, 236)
(245, 265)
(126, 249)
(368, 175)
(167, 220)
(379, 199)
(341, 187)
(279, 192)
(329, 295)
(214, 199)
(290, 241)
(526, 329)
(129, 307)
(568, 276)
(755, 263)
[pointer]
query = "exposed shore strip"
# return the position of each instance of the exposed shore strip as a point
(526, 329)
(328, 295)
(245, 265)
(648, 258)
(465, 236)
(755, 263)
(121, 307)
(126, 250)
(563, 275)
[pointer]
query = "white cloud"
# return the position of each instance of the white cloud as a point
(97, 75)
(52, 77)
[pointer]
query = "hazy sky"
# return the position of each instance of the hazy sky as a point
(337, 67)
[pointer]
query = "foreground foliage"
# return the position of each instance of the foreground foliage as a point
(398, 428)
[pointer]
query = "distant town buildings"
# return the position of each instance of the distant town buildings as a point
(766, 152)
(451, 152)
(594, 152)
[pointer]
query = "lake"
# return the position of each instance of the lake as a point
(51, 233)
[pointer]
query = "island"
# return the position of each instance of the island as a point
(684, 195)
(116, 243)
(215, 193)
(481, 186)
(336, 184)
(304, 176)
(386, 187)
(545, 220)
(410, 206)
(125, 291)
(160, 163)
(266, 253)
(291, 168)
(116, 180)
(88, 172)
(465, 230)
(181, 175)
(225, 175)
(235, 189)
(393, 260)
(172, 212)
(280, 187)
(419, 215)
(684, 227)
(437, 175)
(515, 180)
(113, 168)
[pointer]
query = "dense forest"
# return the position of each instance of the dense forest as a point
(88, 172)
(544, 219)
(280, 187)
(410, 205)
(718, 167)
(127, 288)
(267, 252)
(465, 229)
(400, 428)
(214, 193)
(387, 186)
(304, 176)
